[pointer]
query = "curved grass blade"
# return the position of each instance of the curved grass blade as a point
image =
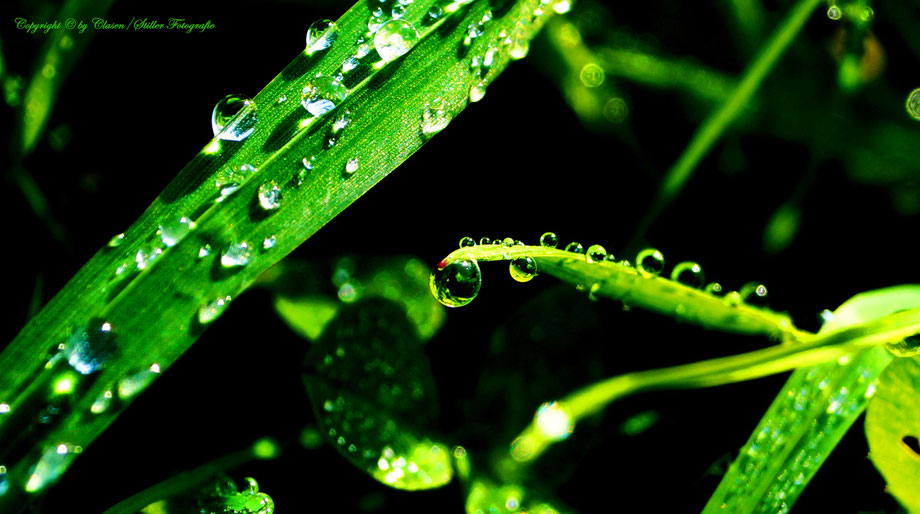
(145, 298)
(634, 288)
(811, 414)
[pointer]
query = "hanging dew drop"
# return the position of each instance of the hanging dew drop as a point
(236, 254)
(650, 261)
(596, 253)
(689, 274)
(575, 247)
(322, 95)
(234, 118)
(270, 196)
(523, 269)
(834, 12)
(321, 35)
(478, 91)
(174, 231)
(351, 166)
(715, 289)
(394, 38)
(457, 283)
(549, 240)
(754, 293)
(212, 310)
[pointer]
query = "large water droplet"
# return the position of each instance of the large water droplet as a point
(228, 180)
(236, 254)
(596, 253)
(212, 310)
(650, 261)
(478, 91)
(90, 347)
(689, 274)
(523, 269)
(234, 118)
(270, 196)
(575, 247)
(467, 241)
(321, 35)
(549, 240)
(174, 230)
(322, 95)
(435, 117)
(394, 38)
(457, 283)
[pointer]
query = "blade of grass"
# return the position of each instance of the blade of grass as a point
(716, 124)
(158, 306)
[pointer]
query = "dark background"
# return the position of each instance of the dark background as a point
(516, 164)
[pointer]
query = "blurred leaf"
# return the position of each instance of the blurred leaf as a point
(893, 430)
(372, 391)
(486, 497)
(306, 316)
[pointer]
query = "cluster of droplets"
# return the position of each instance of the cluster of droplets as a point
(224, 496)
(854, 11)
(456, 283)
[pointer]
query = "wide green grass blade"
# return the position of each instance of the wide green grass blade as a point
(157, 299)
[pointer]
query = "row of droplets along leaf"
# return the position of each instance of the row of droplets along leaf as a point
(456, 283)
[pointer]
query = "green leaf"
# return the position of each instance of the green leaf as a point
(372, 391)
(810, 415)
(893, 429)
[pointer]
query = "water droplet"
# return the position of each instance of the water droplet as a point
(145, 257)
(435, 12)
(270, 196)
(508, 242)
(376, 21)
(523, 269)
(352, 166)
(913, 104)
(212, 310)
(398, 11)
(303, 172)
(135, 383)
(341, 122)
(650, 261)
(4, 409)
(117, 240)
(174, 231)
(549, 240)
(457, 283)
(321, 35)
(435, 117)
(833, 12)
(575, 247)
(754, 293)
(689, 274)
(562, 6)
(473, 31)
(331, 141)
(52, 464)
(485, 241)
(715, 289)
(236, 254)
(867, 14)
(553, 422)
(478, 91)
(228, 180)
(89, 347)
(350, 64)
(322, 95)
(234, 118)
(908, 347)
(520, 47)
(101, 403)
(268, 243)
(204, 251)
(394, 38)
(467, 241)
(282, 99)
(596, 253)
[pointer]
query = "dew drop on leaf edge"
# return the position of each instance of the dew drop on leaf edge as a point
(457, 283)
(650, 261)
(321, 35)
(523, 269)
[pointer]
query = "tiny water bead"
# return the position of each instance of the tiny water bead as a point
(596, 253)
(268, 243)
(913, 104)
(322, 95)
(754, 293)
(523, 269)
(394, 38)
(145, 257)
(689, 274)
(435, 117)
(116, 240)
(457, 283)
(508, 242)
(352, 165)
(236, 254)
(467, 241)
(175, 230)
(212, 310)
(204, 251)
(575, 247)
(270, 196)
(549, 240)
(234, 118)
(341, 122)
(650, 261)
(478, 91)
(715, 289)
(90, 347)
(321, 35)
(834, 12)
